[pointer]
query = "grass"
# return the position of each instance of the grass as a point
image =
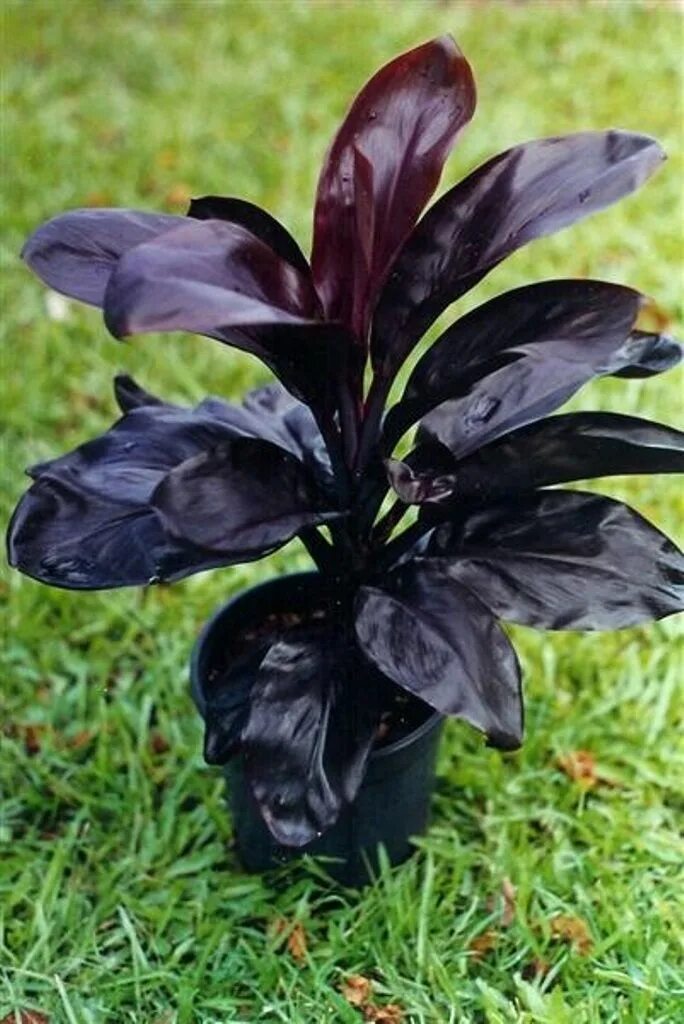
(121, 897)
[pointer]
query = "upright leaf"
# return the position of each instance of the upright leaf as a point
(525, 193)
(382, 168)
(438, 640)
(564, 560)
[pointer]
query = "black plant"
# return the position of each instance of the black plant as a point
(169, 491)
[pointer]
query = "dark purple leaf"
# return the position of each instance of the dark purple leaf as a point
(76, 252)
(129, 395)
(545, 376)
(576, 446)
(201, 277)
(564, 560)
(536, 344)
(87, 521)
(380, 171)
(525, 193)
(645, 354)
(439, 642)
(226, 709)
(256, 220)
(243, 495)
(311, 727)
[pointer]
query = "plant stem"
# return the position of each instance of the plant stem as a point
(321, 552)
(375, 403)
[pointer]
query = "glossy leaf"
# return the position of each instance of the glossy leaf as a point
(564, 560)
(76, 252)
(645, 354)
(256, 220)
(535, 344)
(380, 171)
(243, 495)
(309, 733)
(88, 523)
(202, 276)
(228, 700)
(436, 639)
(525, 193)
(576, 446)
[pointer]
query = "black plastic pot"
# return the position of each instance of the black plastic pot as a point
(393, 802)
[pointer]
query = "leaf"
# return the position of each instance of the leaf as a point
(227, 703)
(25, 1017)
(244, 494)
(575, 446)
(88, 522)
(525, 193)
(256, 220)
(508, 893)
(515, 358)
(564, 560)
(357, 990)
(392, 1013)
(76, 252)
(644, 355)
(203, 276)
(382, 167)
(580, 766)
(439, 642)
(483, 943)
(574, 931)
(311, 726)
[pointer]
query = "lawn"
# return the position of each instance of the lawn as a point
(121, 897)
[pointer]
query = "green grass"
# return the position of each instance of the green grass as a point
(121, 897)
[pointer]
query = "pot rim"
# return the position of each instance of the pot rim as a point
(378, 754)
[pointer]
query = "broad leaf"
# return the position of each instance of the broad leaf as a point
(88, 523)
(382, 168)
(436, 639)
(76, 252)
(227, 705)
(564, 560)
(525, 193)
(524, 346)
(576, 446)
(645, 354)
(310, 730)
(202, 276)
(256, 220)
(243, 495)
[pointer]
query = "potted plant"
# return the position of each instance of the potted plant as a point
(326, 691)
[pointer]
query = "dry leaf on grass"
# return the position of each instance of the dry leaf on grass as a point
(574, 931)
(390, 1014)
(581, 767)
(357, 990)
(483, 943)
(506, 901)
(296, 937)
(178, 195)
(25, 1017)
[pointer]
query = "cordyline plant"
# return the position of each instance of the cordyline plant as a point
(169, 491)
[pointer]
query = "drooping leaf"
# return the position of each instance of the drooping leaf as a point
(645, 354)
(129, 395)
(311, 726)
(88, 523)
(202, 276)
(380, 171)
(575, 446)
(293, 427)
(228, 701)
(440, 642)
(256, 220)
(564, 560)
(76, 252)
(525, 193)
(242, 495)
(534, 344)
